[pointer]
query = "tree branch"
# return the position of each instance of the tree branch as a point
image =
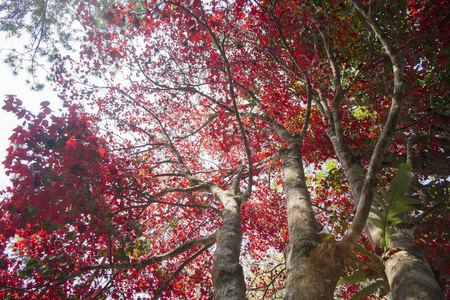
(205, 241)
(370, 182)
(181, 267)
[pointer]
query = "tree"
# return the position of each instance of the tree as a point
(211, 110)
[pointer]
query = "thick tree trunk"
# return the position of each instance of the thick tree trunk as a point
(408, 270)
(227, 273)
(319, 274)
(312, 268)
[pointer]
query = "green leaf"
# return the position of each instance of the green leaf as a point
(385, 195)
(386, 238)
(380, 201)
(378, 223)
(357, 276)
(401, 204)
(32, 210)
(368, 290)
(121, 255)
(138, 231)
(377, 212)
(31, 265)
(400, 182)
(395, 202)
(50, 226)
(395, 221)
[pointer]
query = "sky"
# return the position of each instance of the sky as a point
(16, 85)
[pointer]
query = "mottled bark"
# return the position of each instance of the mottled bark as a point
(227, 274)
(409, 273)
(318, 274)
(312, 269)
(301, 219)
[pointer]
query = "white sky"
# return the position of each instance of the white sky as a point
(16, 85)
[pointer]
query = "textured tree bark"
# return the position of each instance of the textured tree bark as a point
(227, 274)
(408, 270)
(303, 228)
(318, 274)
(312, 268)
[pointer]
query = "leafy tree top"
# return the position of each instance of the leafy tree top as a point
(176, 107)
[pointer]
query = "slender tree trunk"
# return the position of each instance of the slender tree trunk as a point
(227, 273)
(312, 268)
(408, 270)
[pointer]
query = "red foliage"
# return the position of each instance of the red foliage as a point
(175, 73)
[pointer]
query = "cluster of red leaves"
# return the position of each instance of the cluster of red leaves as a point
(54, 213)
(68, 206)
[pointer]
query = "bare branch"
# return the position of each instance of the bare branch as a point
(210, 119)
(237, 179)
(231, 81)
(202, 241)
(181, 267)
(370, 182)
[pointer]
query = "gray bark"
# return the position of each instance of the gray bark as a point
(227, 274)
(312, 268)
(409, 273)
(303, 228)
(317, 275)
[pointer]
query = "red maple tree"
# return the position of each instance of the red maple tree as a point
(204, 139)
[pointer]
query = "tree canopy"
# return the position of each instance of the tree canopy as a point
(232, 150)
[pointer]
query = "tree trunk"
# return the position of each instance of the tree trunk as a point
(409, 273)
(312, 268)
(320, 273)
(227, 274)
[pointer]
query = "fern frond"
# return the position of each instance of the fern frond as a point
(392, 203)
